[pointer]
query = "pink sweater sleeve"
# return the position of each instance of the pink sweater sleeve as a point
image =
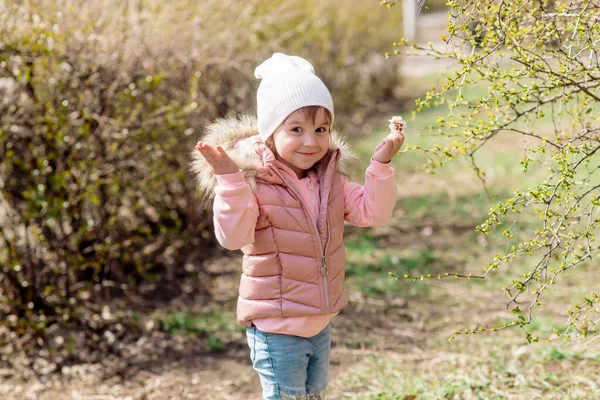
(235, 211)
(373, 203)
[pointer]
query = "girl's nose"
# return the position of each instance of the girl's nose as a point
(309, 140)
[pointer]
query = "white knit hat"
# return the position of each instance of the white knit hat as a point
(288, 83)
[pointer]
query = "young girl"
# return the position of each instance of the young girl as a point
(281, 196)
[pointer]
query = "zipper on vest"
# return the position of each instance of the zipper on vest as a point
(322, 250)
(324, 273)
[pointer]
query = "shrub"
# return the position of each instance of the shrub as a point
(100, 105)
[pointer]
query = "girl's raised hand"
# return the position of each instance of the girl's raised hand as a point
(391, 144)
(218, 159)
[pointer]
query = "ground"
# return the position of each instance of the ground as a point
(391, 342)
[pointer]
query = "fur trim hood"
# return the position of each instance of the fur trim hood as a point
(238, 136)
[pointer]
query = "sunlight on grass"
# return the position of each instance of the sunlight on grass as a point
(368, 265)
(500, 158)
(479, 368)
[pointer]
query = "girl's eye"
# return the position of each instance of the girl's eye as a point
(297, 129)
(321, 129)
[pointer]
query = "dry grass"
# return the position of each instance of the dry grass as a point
(484, 366)
(413, 359)
(209, 48)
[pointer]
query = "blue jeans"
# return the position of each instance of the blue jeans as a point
(290, 367)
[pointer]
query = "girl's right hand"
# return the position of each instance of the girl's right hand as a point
(218, 159)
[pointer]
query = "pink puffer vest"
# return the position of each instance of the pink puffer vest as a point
(294, 267)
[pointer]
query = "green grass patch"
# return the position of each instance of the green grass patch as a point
(500, 158)
(217, 329)
(469, 207)
(368, 267)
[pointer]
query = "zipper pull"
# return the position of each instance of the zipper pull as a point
(324, 268)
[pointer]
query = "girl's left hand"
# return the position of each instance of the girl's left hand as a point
(389, 147)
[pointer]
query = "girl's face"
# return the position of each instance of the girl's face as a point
(300, 142)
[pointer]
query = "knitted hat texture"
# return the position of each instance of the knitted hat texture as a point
(288, 83)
